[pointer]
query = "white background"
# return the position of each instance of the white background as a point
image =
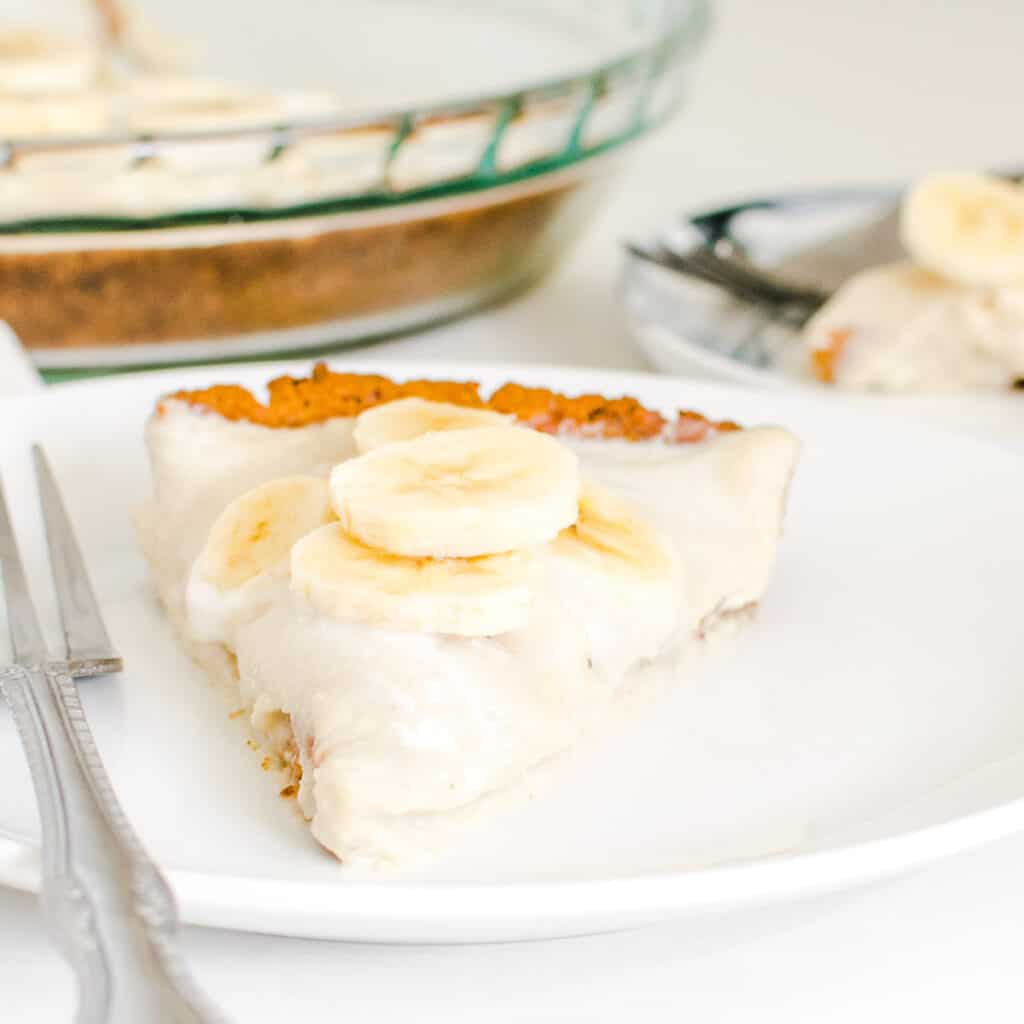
(791, 92)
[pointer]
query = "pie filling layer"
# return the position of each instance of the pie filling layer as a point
(903, 329)
(402, 688)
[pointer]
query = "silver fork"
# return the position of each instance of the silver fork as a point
(719, 266)
(105, 900)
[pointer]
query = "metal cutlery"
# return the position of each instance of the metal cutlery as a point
(740, 282)
(775, 297)
(797, 286)
(105, 900)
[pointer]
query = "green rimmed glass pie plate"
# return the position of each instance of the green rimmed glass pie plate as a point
(497, 127)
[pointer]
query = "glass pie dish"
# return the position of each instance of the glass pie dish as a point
(457, 153)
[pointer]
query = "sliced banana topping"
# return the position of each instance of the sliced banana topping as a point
(52, 114)
(174, 104)
(347, 580)
(966, 227)
(255, 533)
(614, 536)
(40, 63)
(406, 418)
(459, 494)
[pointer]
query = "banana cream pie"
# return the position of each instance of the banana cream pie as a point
(419, 593)
(952, 317)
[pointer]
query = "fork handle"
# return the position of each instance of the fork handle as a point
(105, 900)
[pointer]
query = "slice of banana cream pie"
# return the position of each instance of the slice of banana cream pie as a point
(420, 593)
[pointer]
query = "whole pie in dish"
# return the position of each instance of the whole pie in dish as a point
(420, 593)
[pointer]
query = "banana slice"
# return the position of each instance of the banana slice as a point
(244, 563)
(966, 227)
(53, 114)
(459, 494)
(460, 596)
(158, 103)
(255, 533)
(611, 535)
(34, 62)
(407, 418)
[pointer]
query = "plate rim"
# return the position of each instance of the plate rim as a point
(454, 912)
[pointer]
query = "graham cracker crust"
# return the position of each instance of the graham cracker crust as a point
(68, 297)
(300, 401)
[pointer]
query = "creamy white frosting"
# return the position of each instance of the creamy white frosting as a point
(394, 727)
(392, 723)
(720, 502)
(625, 620)
(215, 615)
(910, 330)
(36, 63)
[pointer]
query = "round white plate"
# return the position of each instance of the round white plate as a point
(870, 720)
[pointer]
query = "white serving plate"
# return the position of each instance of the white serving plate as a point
(871, 720)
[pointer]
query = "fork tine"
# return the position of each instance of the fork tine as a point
(27, 641)
(89, 650)
(778, 302)
(730, 269)
(663, 257)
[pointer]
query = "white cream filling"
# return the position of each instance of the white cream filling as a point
(912, 331)
(719, 502)
(215, 615)
(625, 620)
(392, 725)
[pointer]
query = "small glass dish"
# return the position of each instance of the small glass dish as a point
(468, 147)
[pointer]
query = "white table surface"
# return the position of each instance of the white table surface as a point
(791, 92)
